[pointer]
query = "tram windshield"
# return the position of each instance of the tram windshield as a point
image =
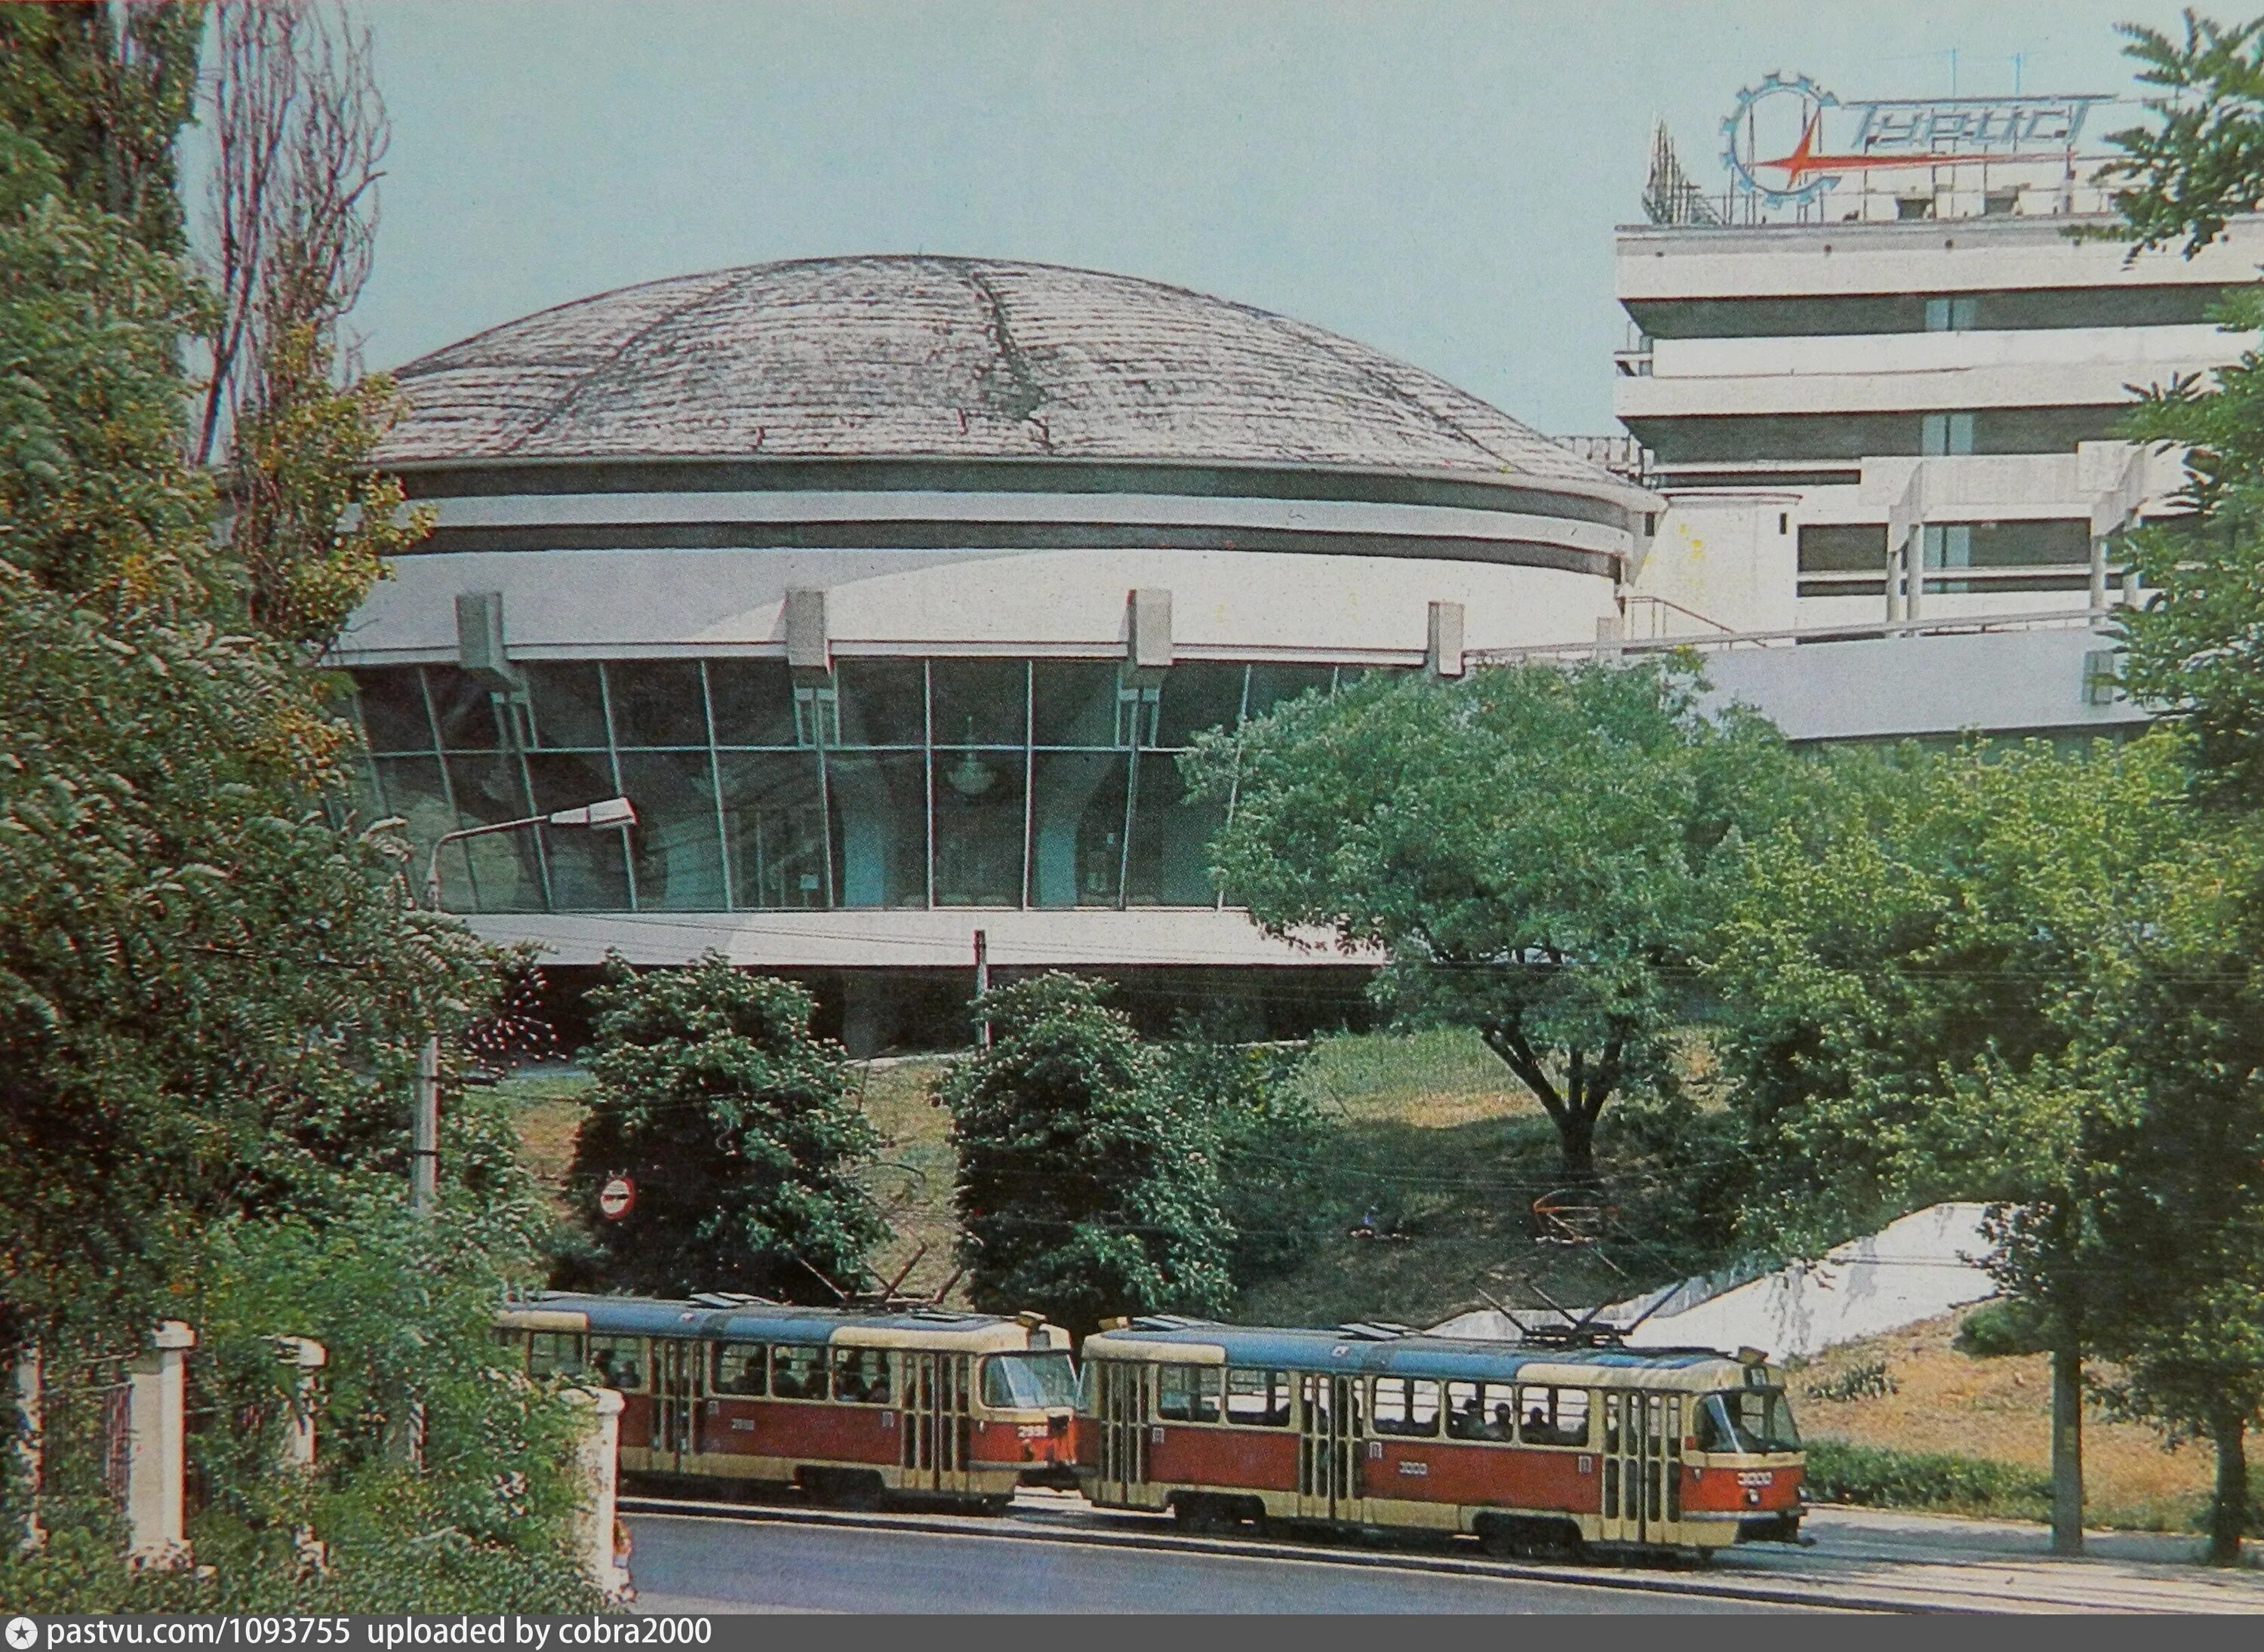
(1029, 1382)
(1747, 1420)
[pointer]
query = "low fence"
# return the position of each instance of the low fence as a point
(118, 1428)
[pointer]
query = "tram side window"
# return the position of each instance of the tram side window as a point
(1258, 1399)
(1188, 1394)
(738, 1368)
(1481, 1410)
(618, 1362)
(551, 1353)
(1406, 1405)
(797, 1373)
(861, 1376)
(1553, 1416)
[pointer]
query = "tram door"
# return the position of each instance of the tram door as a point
(1643, 1464)
(932, 1423)
(1329, 1445)
(675, 1403)
(1121, 1421)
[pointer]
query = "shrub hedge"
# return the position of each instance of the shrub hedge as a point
(1878, 1477)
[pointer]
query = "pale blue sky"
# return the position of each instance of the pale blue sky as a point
(1437, 179)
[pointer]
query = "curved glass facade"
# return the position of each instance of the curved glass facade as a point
(892, 783)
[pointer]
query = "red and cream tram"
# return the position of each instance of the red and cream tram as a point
(1530, 1447)
(848, 1404)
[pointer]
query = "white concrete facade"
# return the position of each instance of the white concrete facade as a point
(1964, 463)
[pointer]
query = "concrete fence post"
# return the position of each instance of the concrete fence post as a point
(25, 1448)
(306, 1357)
(598, 1460)
(158, 1448)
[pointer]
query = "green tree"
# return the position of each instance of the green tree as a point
(104, 103)
(2179, 1146)
(2194, 648)
(211, 991)
(1087, 1186)
(1536, 851)
(739, 1129)
(1911, 1010)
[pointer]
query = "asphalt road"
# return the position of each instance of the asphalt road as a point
(696, 1564)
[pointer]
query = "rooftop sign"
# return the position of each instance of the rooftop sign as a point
(1788, 141)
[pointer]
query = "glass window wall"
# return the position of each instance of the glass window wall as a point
(895, 783)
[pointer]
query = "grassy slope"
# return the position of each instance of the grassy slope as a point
(2000, 1409)
(1438, 1141)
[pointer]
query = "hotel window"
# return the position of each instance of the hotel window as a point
(1945, 433)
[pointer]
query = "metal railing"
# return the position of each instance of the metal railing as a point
(1862, 631)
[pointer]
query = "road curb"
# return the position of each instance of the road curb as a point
(1006, 1529)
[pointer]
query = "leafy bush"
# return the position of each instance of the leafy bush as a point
(1999, 1328)
(1088, 1185)
(1876, 1477)
(738, 1127)
(1870, 1380)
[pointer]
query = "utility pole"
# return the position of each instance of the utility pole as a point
(424, 1128)
(983, 980)
(2067, 1447)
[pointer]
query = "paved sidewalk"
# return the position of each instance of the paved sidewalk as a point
(2002, 1564)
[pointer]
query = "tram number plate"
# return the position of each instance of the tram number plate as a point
(1757, 1477)
(1413, 1468)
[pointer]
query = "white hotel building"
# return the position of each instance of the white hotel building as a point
(1893, 392)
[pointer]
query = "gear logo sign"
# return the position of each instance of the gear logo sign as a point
(1767, 138)
(23, 1634)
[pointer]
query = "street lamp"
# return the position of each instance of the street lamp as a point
(425, 1136)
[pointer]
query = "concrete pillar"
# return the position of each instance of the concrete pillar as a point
(1611, 632)
(25, 1448)
(869, 1018)
(1147, 628)
(808, 641)
(158, 1448)
(598, 1462)
(1442, 652)
(305, 1357)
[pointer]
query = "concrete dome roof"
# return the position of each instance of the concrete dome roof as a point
(946, 358)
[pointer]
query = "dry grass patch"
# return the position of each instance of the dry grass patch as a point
(913, 1177)
(2000, 1409)
(548, 1108)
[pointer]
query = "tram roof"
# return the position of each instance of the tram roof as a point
(752, 1321)
(1367, 1350)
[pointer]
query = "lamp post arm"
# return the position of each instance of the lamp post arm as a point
(432, 863)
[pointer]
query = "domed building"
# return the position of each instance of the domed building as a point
(887, 590)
